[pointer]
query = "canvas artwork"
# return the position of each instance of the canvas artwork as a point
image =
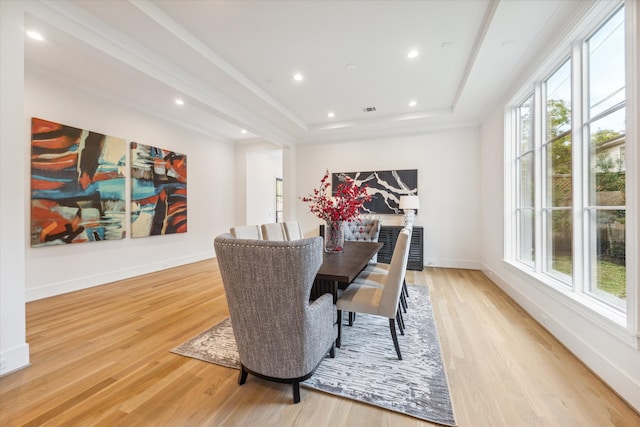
(77, 185)
(385, 188)
(158, 191)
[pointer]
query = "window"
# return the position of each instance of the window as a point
(557, 168)
(605, 132)
(568, 145)
(525, 167)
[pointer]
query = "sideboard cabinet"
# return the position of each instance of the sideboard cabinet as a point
(389, 236)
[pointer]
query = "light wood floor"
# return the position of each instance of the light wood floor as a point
(100, 357)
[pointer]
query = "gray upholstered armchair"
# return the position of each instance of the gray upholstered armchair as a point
(280, 335)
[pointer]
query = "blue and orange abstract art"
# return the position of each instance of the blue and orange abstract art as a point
(77, 185)
(158, 191)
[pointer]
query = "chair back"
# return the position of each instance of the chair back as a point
(246, 232)
(268, 285)
(292, 230)
(273, 231)
(364, 230)
(395, 276)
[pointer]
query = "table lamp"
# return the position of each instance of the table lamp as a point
(409, 204)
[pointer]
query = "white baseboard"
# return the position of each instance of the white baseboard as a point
(64, 287)
(14, 358)
(593, 355)
(453, 263)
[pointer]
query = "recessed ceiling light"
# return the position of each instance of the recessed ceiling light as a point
(243, 131)
(179, 101)
(412, 54)
(412, 103)
(331, 114)
(298, 77)
(446, 44)
(35, 35)
(350, 66)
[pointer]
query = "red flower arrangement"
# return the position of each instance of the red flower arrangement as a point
(344, 206)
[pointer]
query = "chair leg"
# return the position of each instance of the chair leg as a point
(352, 316)
(339, 340)
(296, 391)
(400, 321)
(242, 378)
(392, 326)
(405, 288)
(403, 302)
(332, 351)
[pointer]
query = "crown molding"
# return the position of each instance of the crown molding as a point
(169, 24)
(72, 20)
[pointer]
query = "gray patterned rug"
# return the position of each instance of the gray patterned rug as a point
(366, 368)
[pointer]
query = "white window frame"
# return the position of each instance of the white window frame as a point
(607, 316)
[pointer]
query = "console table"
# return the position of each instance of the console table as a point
(389, 236)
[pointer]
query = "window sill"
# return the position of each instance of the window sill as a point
(605, 317)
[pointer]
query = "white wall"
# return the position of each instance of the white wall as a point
(606, 348)
(263, 167)
(257, 164)
(610, 350)
(14, 351)
(448, 185)
(210, 193)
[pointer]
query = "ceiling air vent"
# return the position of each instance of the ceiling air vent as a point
(369, 109)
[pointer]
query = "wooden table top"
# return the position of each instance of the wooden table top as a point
(344, 266)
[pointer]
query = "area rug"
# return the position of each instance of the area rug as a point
(366, 368)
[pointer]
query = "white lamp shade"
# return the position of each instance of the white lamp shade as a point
(409, 202)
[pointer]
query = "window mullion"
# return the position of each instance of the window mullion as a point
(511, 184)
(539, 161)
(632, 22)
(580, 173)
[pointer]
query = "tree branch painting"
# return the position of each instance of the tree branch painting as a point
(384, 187)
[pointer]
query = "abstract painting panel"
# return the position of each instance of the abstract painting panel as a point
(158, 191)
(77, 185)
(385, 188)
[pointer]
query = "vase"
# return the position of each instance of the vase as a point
(334, 236)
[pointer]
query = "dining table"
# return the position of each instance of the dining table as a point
(339, 269)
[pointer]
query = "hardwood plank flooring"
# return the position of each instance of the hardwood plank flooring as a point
(100, 357)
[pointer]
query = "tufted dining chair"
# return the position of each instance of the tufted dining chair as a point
(280, 335)
(368, 297)
(377, 272)
(363, 230)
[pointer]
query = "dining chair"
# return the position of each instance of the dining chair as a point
(292, 230)
(376, 276)
(369, 298)
(273, 231)
(246, 232)
(280, 335)
(363, 230)
(377, 272)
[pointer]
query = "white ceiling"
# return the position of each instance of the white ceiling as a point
(233, 61)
